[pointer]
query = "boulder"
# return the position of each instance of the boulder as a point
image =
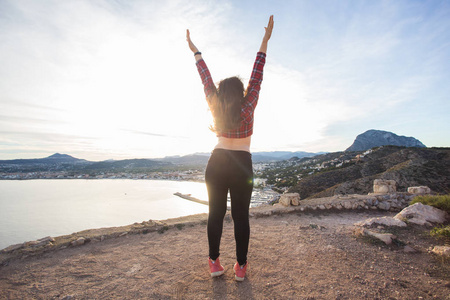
(421, 214)
(290, 199)
(384, 186)
(386, 221)
(384, 237)
(80, 241)
(419, 190)
(441, 250)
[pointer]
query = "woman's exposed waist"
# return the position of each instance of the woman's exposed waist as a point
(234, 144)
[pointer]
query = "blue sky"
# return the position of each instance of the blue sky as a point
(115, 79)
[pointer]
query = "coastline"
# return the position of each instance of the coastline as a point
(335, 203)
(296, 252)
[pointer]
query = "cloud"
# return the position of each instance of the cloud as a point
(153, 134)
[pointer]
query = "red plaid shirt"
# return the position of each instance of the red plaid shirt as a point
(248, 107)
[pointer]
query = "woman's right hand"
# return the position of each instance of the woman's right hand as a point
(190, 43)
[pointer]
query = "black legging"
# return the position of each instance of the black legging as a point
(229, 170)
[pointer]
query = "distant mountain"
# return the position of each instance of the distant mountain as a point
(191, 159)
(202, 158)
(375, 138)
(52, 159)
(63, 158)
(64, 162)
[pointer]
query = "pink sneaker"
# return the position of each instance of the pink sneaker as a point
(239, 271)
(215, 267)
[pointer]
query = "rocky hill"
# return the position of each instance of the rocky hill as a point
(375, 138)
(407, 166)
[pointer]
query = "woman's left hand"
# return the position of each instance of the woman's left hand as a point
(268, 29)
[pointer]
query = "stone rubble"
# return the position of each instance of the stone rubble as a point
(417, 213)
(77, 239)
(387, 202)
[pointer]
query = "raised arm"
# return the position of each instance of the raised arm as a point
(194, 49)
(267, 35)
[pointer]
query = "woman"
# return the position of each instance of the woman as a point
(230, 165)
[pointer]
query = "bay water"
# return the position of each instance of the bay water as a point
(33, 209)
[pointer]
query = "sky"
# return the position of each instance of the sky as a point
(115, 79)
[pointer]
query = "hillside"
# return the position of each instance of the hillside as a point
(335, 173)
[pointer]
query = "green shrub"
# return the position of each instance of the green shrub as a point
(441, 231)
(441, 202)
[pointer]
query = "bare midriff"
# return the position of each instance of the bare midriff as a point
(234, 144)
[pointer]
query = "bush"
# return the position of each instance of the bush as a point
(442, 202)
(441, 231)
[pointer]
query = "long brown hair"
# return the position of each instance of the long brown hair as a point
(226, 105)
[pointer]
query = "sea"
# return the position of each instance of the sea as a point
(33, 209)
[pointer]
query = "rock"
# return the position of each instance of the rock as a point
(384, 205)
(419, 190)
(441, 250)
(384, 237)
(42, 243)
(409, 249)
(80, 241)
(370, 201)
(47, 239)
(421, 214)
(383, 186)
(347, 205)
(13, 247)
(386, 221)
(290, 199)
(30, 243)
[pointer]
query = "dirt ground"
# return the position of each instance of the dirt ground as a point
(292, 256)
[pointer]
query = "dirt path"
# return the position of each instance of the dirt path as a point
(292, 256)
